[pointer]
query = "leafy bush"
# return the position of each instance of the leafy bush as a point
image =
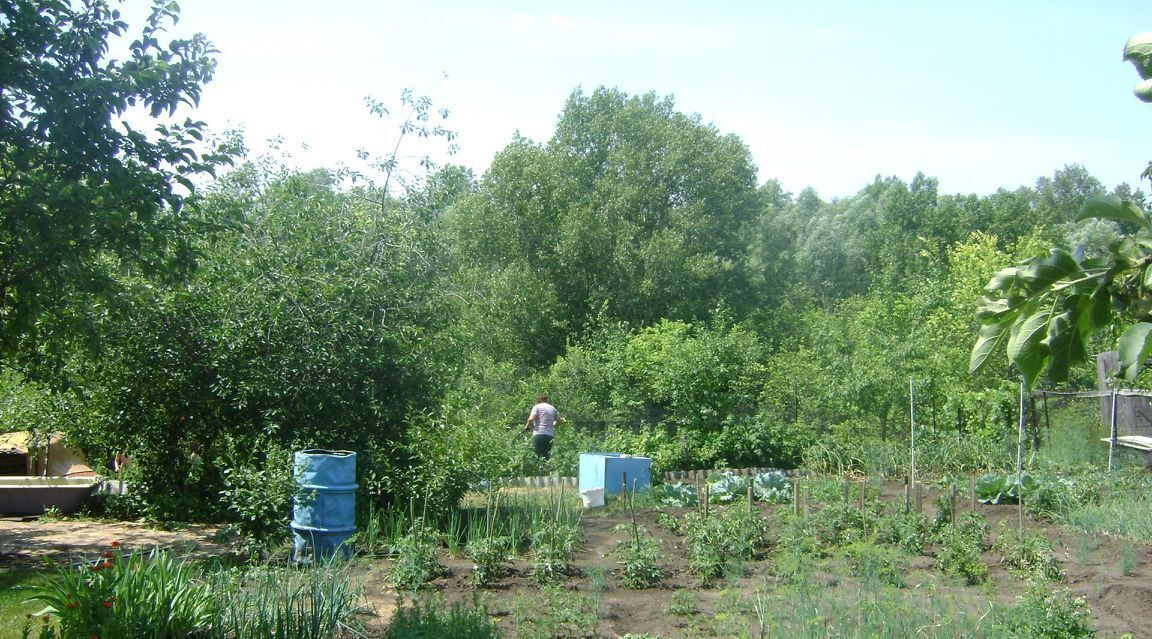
(797, 536)
(553, 544)
(417, 561)
(555, 612)
(639, 558)
(961, 546)
(910, 531)
(260, 499)
(719, 543)
(1056, 497)
(1028, 553)
(839, 524)
(490, 559)
(876, 564)
(1039, 614)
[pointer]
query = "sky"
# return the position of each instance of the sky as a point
(980, 95)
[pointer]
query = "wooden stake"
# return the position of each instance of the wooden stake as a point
(907, 495)
(795, 496)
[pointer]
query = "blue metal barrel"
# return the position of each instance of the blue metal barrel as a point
(324, 514)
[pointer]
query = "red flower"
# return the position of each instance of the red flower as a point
(48, 618)
(107, 604)
(96, 567)
(115, 544)
(107, 564)
(73, 604)
(109, 554)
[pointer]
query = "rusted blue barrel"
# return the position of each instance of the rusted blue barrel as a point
(324, 514)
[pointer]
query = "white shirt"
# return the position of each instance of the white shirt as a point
(544, 417)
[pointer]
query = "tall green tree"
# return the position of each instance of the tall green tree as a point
(632, 209)
(82, 190)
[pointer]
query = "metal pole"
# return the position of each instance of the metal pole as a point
(912, 426)
(1112, 437)
(1020, 461)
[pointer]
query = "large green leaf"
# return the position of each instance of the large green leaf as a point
(988, 307)
(1134, 349)
(1040, 274)
(1138, 51)
(1112, 207)
(991, 335)
(1026, 348)
(1065, 345)
(1005, 280)
(1099, 312)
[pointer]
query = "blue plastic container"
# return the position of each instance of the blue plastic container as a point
(324, 516)
(608, 471)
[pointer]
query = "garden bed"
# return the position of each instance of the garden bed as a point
(1112, 575)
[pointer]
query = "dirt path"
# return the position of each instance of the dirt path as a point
(28, 543)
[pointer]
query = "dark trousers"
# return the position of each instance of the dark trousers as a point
(542, 444)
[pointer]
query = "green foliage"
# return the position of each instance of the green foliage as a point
(960, 548)
(1004, 489)
(726, 487)
(261, 500)
(773, 487)
(431, 618)
(908, 530)
(679, 495)
(416, 557)
(839, 524)
(1055, 497)
(639, 556)
(1039, 614)
(878, 565)
(797, 537)
(552, 550)
(286, 602)
(86, 192)
(490, 559)
(1028, 553)
(720, 543)
(554, 613)
(129, 596)
(632, 209)
(682, 603)
(301, 329)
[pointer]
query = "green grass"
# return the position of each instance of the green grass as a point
(12, 596)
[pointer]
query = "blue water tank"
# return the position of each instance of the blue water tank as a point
(324, 514)
(608, 471)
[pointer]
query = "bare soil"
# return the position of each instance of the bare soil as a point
(1113, 575)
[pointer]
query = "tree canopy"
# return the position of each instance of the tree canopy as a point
(82, 189)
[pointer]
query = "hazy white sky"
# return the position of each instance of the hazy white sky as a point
(980, 94)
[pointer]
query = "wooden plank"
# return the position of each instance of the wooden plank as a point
(1138, 442)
